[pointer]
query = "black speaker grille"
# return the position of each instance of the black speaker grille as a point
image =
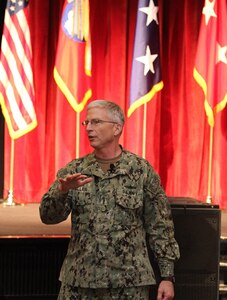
(197, 230)
(30, 267)
(196, 286)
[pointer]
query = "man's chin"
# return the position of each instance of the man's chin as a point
(93, 144)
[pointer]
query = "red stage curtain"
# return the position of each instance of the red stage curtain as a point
(177, 138)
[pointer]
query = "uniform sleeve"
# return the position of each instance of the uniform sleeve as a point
(55, 205)
(159, 225)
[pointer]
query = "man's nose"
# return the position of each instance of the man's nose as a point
(89, 126)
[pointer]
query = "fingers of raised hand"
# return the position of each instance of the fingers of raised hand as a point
(74, 181)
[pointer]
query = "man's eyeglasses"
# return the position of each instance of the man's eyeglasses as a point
(95, 122)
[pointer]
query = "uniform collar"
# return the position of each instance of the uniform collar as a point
(91, 167)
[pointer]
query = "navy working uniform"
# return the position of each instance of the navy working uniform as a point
(111, 218)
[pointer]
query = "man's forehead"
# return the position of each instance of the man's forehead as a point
(97, 110)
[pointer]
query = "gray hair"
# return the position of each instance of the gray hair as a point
(114, 110)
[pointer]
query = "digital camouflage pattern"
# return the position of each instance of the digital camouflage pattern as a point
(111, 217)
(132, 293)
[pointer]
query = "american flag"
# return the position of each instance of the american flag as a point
(146, 72)
(210, 70)
(16, 77)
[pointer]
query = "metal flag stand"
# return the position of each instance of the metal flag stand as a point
(10, 201)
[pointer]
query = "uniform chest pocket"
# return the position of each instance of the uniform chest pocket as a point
(82, 206)
(128, 209)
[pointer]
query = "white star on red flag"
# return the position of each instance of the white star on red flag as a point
(208, 10)
(211, 59)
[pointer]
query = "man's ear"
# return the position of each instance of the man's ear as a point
(118, 129)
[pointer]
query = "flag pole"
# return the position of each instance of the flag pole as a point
(144, 131)
(209, 193)
(77, 134)
(10, 199)
(78, 32)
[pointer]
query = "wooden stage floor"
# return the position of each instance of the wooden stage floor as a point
(24, 221)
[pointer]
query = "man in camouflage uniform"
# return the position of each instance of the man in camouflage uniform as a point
(116, 203)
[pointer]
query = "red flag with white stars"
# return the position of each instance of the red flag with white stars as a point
(211, 59)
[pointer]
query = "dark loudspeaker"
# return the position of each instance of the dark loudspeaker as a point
(197, 231)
